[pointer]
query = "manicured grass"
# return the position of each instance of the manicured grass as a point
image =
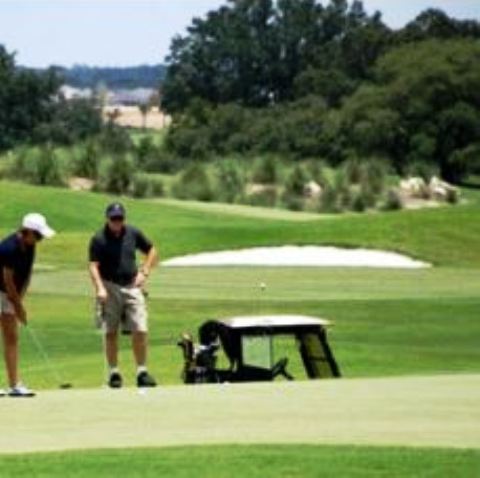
(385, 322)
(252, 461)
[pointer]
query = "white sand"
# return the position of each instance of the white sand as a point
(300, 256)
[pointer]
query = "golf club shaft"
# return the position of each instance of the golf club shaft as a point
(41, 350)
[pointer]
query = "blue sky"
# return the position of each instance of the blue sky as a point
(133, 32)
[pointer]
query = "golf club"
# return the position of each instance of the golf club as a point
(41, 350)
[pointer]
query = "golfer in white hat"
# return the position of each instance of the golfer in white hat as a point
(17, 254)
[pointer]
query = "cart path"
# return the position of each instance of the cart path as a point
(436, 411)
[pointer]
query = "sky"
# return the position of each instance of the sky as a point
(134, 32)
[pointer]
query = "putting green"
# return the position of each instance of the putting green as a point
(440, 411)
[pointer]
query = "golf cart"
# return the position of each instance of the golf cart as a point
(249, 346)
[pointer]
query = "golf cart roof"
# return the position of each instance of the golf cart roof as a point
(272, 321)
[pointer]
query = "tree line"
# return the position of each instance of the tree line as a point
(308, 80)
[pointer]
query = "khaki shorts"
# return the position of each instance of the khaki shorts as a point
(125, 309)
(6, 307)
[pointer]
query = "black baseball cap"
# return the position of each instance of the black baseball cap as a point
(115, 210)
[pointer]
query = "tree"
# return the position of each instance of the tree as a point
(424, 106)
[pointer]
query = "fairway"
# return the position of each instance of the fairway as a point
(423, 411)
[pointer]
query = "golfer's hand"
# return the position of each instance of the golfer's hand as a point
(102, 295)
(21, 314)
(139, 280)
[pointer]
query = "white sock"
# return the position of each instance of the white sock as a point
(114, 370)
(141, 368)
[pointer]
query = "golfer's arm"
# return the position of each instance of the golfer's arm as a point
(11, 288)
(95, 276)
(151, 260)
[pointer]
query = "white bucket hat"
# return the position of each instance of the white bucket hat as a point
(36, 222)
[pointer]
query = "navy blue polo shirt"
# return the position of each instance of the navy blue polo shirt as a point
(19, 258)
(116, 254)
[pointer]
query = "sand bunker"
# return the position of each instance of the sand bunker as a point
(299, 256)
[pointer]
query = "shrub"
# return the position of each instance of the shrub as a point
(392, 202)
(374, 176)
(265, 171)
(145, 151)
(230, 181)
(48, 171)
(293, 196)
(329, 200)
(141, 187)
(359, 202)
(144, 186)
(116, 176)
(193, 183)
(316, 170)
(115, 139)
(38, 166)
(86, 163)
(353, 170)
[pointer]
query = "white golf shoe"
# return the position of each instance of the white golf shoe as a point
(2, 392)
(20, 390)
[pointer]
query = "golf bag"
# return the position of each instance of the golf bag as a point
(199, 361)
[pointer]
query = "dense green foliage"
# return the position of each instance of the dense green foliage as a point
(32, 111)
(263, 461)
(25, 100)
(304, 80)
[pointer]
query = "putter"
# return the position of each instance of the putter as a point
(41, 350)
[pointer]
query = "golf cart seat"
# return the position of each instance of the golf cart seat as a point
(248, 373)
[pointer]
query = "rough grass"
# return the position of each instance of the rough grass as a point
(253, 461)
(445, 236)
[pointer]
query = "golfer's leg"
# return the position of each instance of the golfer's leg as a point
(111, 315)
(111, 348)
(139, 347)
(10, 347)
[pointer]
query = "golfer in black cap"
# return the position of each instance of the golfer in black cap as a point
(119, 288)
(17, 254)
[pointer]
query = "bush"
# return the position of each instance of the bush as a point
(193, 183)
(329, 200)
(374, 176)
(144, 186)
(392, 202)
(230, 182)
(38, 166)
(359, 202)
(316, 170)
(86, 163)
(116, 176)
(145, 151)
(115, 139)
(265, 171)
(353, 170)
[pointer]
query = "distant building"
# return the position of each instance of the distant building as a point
(136, 96)
(71, 93)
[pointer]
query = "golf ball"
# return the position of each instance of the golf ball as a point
(263, 286)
